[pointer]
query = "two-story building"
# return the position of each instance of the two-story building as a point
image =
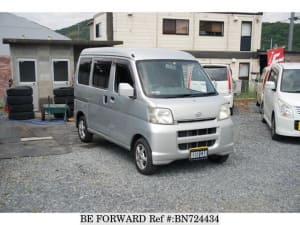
(230, 38)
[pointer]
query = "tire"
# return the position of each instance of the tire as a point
(20, 108)
(21, 115)
(83, 133)
(63, 91)
(19, 100)
(64, 99)
(143, 157)
(19, 91)
(218, 158)
(231, 111)
(261, 110)
(274, 135)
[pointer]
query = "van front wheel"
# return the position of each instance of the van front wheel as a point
(143, 157)
(83, 133)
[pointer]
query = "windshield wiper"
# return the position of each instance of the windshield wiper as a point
(191, 95)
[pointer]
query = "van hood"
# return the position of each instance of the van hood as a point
(292, 99)
(185, 109)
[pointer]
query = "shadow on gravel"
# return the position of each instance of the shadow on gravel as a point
(290, 140)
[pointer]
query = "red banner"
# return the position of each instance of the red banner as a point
(275, 55)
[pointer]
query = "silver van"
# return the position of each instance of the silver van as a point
(140, 99)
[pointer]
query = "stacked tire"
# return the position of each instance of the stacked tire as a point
(64, 95)
(20, 103)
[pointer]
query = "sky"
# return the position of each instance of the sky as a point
(60, 20)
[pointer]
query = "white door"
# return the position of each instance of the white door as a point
(269, 95)
(27, 75)
(61, 73)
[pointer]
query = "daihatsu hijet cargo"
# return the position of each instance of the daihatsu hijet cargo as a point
(140, 99)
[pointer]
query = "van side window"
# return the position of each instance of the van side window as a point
(273, 77)
(101, 74)
(84, 71)
(123, 75)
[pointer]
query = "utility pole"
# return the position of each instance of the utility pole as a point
(271, 44)
(291, 31)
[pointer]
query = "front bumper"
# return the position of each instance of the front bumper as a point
(164, 140)
(286, 126)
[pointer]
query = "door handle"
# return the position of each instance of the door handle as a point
(104, 99)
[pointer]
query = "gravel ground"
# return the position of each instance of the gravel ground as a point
(260, 176)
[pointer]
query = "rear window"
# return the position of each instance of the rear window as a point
(217, 73)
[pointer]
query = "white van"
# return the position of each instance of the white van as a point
(140, 100)
(221, 75)
(281, 108)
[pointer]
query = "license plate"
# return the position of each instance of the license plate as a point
(299, 125)
(198, 153)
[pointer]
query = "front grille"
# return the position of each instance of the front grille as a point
(297, 125)
(297, 109)
(198, 132)
(186, 146)
(196, 120)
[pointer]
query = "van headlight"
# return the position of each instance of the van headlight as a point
(224, 112)
(160, 116)
(285, 109)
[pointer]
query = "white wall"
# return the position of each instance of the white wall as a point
(136, 29)
(100, 18)
(145, 30)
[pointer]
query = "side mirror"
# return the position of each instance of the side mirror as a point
(270, 85)
(126, 90)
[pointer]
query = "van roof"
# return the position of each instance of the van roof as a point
(139, 53)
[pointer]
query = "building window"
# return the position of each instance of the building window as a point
(84, 71)
(61, 70)
(211, 28)
(246, 36)
(244, 71)
(27, 71)
(176, 26)
(98, 30)
(101, 74)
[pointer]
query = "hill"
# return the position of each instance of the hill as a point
(79, 31)
(278, 32)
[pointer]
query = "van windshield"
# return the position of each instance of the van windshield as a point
(174, 79)
(217, 73)
(290, 81)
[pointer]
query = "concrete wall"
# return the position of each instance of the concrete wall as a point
(43, 54)
(100, 18)
(5, 75)
(292, 57)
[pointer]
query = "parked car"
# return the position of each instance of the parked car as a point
(140, 100)
(260, 84)
(281, 109)
(221, 75)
